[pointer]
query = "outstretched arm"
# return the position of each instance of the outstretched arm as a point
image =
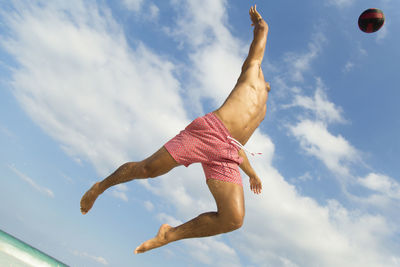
(257, 47)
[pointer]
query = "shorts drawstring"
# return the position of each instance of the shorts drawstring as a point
(238, 144)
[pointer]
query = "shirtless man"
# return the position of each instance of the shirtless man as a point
(212, 141)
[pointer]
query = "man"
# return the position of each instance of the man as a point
(213, 140)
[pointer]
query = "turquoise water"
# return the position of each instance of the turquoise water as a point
(15, 253)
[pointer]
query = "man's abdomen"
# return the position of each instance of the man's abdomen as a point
(240, 125)
(243, 110)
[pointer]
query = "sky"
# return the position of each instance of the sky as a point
(89, 85)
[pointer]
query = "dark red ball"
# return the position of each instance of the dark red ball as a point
(371, 20)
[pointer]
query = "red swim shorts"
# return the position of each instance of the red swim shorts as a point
(205, 140)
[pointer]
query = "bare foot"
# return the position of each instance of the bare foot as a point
(158, 241)
(89, 198)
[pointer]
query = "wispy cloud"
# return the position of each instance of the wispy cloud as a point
(134, 5)
(300, 63)
(31, 182)
(149, 205)
(5, 131)
(67, 178)
(171, 220)
(119, 191)
(348, 67)
(97, 259)
(137, 6)
(382, 184)
(311, 130)
(340, 3)
(222, 254)
(322, 109)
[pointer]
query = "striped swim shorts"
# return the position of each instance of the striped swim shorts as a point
(207, 141)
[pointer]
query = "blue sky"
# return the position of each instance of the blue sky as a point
(89, 85)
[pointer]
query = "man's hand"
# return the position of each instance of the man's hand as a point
(254, 15)
(255, 184)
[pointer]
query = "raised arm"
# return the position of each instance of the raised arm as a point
(257, 48)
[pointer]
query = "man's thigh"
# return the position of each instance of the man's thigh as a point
(160, 163)
(228, 196)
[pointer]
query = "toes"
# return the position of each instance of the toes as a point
(140, 249)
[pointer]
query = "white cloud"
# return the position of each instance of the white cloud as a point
(133, 5)
(201, 23)
(333, 151)
(212, 252)
(382, 184)
(283, 227)
(154, 11)
(80, 66)
(305, 177)
(323, 109)
(312, 130)
(146, 10)
(97, 259)
(216, 55)
(31, 182)
(185, 189)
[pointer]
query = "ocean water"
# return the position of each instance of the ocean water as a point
(15, 253)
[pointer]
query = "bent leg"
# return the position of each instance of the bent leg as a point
(230, 203)
(158, 164)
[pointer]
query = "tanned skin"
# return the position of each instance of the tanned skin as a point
(241, 113)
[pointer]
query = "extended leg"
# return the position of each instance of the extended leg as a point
(158, 164)
(230, 203)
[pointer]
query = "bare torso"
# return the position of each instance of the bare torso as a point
(245, 107)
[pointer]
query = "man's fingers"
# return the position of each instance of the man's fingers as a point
(252, 10)
(255, 188)
(254, 15)
(259, 187)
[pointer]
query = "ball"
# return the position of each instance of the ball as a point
(371, 20)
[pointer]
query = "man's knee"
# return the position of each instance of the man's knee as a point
(233, 221)
(148, 169)
(237, 220)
